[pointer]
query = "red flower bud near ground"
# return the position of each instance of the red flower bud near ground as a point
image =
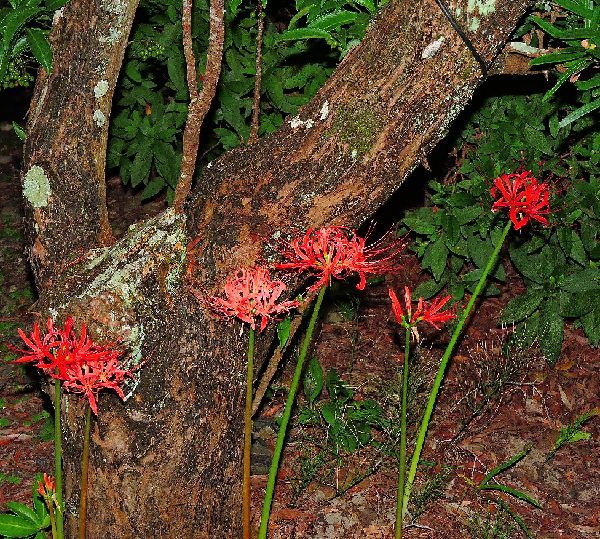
(523, 196)
(47, 487)
(251, 294)
(338, 252)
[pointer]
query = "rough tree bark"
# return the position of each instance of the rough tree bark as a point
(167, 463)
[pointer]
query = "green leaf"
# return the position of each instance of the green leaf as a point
(155, 186)
(419, 225)
(551, 329)
(19, 131)
(578, 304)
(283, 331)
(305, 33)
(572, 67)
(10, 24)
(368, 4)
(576, 8)
(38, 43)
(565, 34)
(15, 526)
(429, 288)
(329, 413)
(435, 258)
(522, 306)
(537, 139)
(313, 380)
(591, 325)
(468, 214)
(582, 111)
(333, 21)
(479, 250)
(586, 280)
(504, 466)
(558, 57)
(167, 162)
(176, 71)
(23, 511)
(133, 72)
(53, 5)
(140, 168)
(514, 492)
(536, 267)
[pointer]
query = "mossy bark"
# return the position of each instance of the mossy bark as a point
(167, 463)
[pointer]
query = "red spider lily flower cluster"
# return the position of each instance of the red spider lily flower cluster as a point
(524, 197)
(251, 294)
(47, 487)
(338, 252)
(82, 365)
(426, 312)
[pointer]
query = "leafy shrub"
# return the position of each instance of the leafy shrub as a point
(456, 231)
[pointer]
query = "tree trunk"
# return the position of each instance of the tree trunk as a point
(168, 462)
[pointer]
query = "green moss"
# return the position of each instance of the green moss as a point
(358, 128)
(36, 187)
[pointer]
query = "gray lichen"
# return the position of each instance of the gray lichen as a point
(99, 118)
(100, 89)
(36, 187)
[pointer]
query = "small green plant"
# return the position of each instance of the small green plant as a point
(347, 422)
(489, 483)
(573, 432)
(24, 521)
(560, 265)
(433, 488)
(11, 479)
(24, 29)
(577, 52)
(498, 525)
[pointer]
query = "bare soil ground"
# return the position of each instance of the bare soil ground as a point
(491, 407)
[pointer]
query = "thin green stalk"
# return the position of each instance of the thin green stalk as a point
(266, 511)
(248, 437)
(50, 505)
(85, 459)
(442, 368)
(403, 411)
(60, 533)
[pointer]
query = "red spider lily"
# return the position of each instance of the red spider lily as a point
(430, 313)
(59, 348)
(47, 487)
(523, 196)
(250, 293)
(337, 251)
(89, 377)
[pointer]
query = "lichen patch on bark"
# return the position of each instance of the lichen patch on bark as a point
(36, 187)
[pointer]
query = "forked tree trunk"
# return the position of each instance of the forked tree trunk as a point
(167, 463)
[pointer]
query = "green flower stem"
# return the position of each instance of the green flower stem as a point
(85, 459)
(248, 438)
(442, 369)
(60, 532)
(50, 506)
(402, 463)
(266, 511)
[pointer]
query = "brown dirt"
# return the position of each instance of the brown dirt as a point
(361, 345)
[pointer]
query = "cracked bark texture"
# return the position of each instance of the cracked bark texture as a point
(168, 462)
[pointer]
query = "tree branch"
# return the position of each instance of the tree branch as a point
(258, 77)
(199, 104)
